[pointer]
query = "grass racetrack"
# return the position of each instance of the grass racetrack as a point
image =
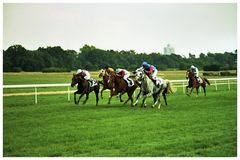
(187, 127)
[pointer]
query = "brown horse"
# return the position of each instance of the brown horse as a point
(105, 76)
(106, 82)
(84, 87)
(120, 86)
(193, 83)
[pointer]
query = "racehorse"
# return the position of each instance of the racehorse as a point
(84, 87)
(105, 76)
(148, 88)
(193, 83)
(119, 86)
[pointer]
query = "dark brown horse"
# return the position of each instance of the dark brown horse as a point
(193, 83)
(84, 87)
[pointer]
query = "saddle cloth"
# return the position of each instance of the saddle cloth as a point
(130, 82)
(92, 82)
(200, 80)
(159, 81)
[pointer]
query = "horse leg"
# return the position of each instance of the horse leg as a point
(155, 101)
(144, 100)
(75, 97)
(197, 91)
(138, 97)
(130, 95)
(87, 96)
(129, 98)
(204, 90)
(164, 96)
(159, 102)
(96, 90)
(80, 97)
(187, 90)
(102, 92)
(120, 96)
(190, 92)
(139, 93)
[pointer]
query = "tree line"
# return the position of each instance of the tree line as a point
(17, 58)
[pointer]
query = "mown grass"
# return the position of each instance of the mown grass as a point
(187, 127)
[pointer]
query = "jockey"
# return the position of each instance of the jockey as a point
(109, 70)
(150, 70)
(85, 74)
(195, 71)
(125, 75)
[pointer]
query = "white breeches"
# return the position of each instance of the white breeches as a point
(87, 77)
(154, 75)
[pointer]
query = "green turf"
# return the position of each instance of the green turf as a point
(187, 127)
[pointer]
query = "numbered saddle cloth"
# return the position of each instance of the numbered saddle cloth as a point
(130, 82)
(93, 82)
(159, 81)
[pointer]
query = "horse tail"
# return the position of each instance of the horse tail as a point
(170, 87)
(207, 81)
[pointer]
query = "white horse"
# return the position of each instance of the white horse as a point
(148, 88)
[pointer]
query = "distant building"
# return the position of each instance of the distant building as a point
(169, 50)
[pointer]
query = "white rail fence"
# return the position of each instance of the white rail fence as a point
(178, 84)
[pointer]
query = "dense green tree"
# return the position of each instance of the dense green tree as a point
(17, 58)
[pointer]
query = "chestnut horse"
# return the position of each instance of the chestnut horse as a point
(84, 87)
(119, 86)
(105, 76)
(193, 83)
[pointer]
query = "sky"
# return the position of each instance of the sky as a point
(144, 27)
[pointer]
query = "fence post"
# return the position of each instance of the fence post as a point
(68, 94)
(36, 95)
(183, 87)
(216, 85)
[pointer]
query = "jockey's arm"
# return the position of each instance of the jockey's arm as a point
(139, 69)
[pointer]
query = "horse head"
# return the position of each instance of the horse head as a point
(75, 79)
(102, 73)
(140, 75)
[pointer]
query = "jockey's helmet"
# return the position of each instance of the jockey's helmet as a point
(144, 64)
(79, 71)
(192, 67)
